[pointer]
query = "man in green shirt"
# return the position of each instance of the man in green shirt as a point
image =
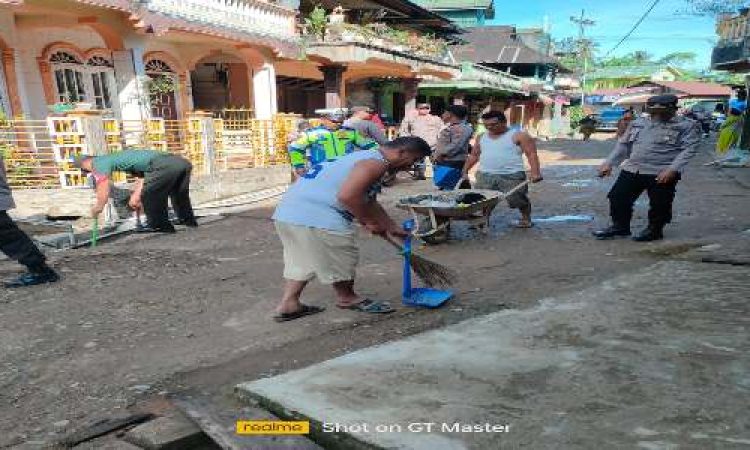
(159, 176)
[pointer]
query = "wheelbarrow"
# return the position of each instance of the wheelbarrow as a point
(434, 212)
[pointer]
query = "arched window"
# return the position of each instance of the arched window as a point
(102, 78)
(163, 103)
(69, 80)
(158, 67)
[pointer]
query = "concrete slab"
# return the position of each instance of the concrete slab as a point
(650, 360)
(173, 432)
(218, 419)
(107, 443)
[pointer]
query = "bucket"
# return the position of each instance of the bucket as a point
(445, 177)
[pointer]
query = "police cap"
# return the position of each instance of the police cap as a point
(667, 101)
(333, 114)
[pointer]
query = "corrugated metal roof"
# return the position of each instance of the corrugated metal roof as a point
(497, 44)
(454, 4)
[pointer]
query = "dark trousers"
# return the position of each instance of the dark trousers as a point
(17, 245)
(626, 190)
(169, 178)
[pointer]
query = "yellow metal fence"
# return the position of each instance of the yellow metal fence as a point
(27, 151)
(37, 154)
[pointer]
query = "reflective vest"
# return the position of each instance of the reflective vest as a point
(320, 144)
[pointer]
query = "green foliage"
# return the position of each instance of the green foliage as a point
(576, 114)
(160, 85)
(316, 22)
(399, 36)
(637, 58)
(679, 59)
(6, 150)
(714, 7)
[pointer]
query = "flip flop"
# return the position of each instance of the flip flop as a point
(370, 306)
(306, 310)
(520, 224)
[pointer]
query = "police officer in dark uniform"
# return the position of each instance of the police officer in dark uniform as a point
(18, 245)
(655, 151)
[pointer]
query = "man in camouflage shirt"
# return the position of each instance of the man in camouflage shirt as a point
(452, 146)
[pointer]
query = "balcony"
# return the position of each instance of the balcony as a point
(378, 36)
(476, 78)
(732, 55)
(733, 50)
(255, 17)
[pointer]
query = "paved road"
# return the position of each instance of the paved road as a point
(141, 317)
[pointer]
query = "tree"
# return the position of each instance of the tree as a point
(678, 59)
(714, 7)
(636, 58)
(572, 51)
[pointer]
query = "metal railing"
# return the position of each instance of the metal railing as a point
(250, 16)
(28, 149)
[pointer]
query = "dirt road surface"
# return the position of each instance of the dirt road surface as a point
(141, 317)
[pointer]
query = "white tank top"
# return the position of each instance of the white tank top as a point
(500, 155)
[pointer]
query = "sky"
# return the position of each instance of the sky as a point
(664, 31)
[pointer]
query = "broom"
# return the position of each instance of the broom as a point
(430, 272)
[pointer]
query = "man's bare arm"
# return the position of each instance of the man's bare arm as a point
(353, 195)
(102, 196)
(528, 146)
(473, 158)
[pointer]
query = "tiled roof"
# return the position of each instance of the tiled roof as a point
(696, 88)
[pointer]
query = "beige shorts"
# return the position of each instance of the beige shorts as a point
(315, 253)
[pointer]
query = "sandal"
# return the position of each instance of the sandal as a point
(305, 310)
(370, 306)
(524, 224)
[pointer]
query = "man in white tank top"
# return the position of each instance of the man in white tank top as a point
(499, 152)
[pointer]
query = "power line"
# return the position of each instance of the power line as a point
(653, 5)
(584, 47)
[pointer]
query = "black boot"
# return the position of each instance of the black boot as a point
(162, 229)
(611, 232)
(42, 275)
(192, 223)
(649, 234)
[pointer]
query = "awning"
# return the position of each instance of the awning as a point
(638, 99)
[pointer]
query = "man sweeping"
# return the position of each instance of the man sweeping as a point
(159, 177)
(18, 246)
(315, 217)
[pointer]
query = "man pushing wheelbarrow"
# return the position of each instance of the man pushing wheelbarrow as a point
(500, 152)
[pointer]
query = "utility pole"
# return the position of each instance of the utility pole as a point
(584, 48)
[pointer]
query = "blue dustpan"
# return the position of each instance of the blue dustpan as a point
(421, 297)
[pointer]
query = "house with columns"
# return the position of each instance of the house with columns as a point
(207, 79)
(218, 54)
(214, 53)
